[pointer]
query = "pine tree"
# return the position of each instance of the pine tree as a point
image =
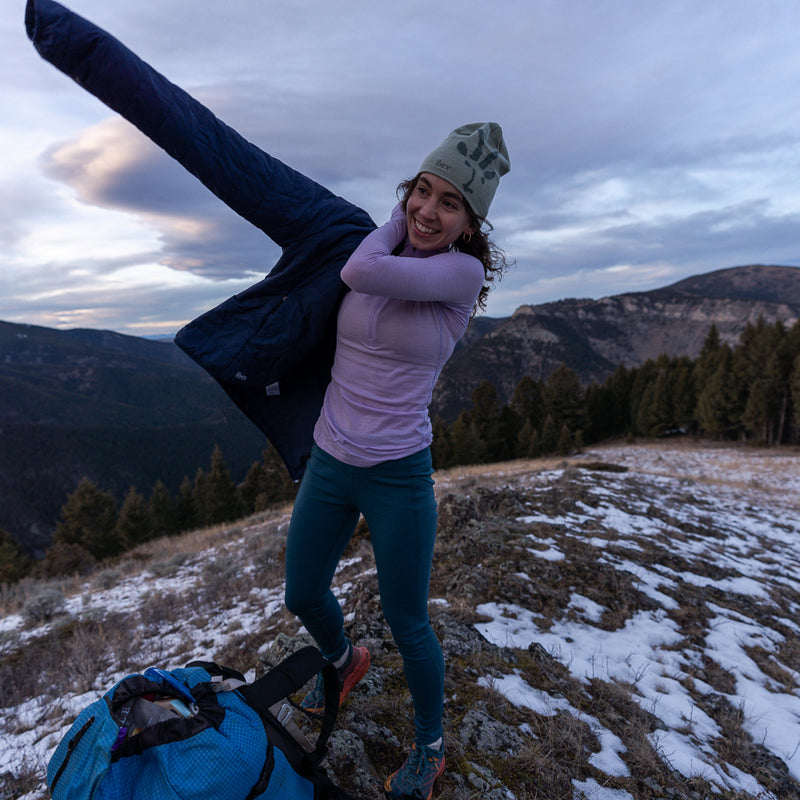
(794, 389)
(766, 402)
(528, 401)
(266, 483)
(65, 558)
(220, 499)
(14, 564)
(703, 370)
(441, 446)
(756, 344)
(716, 400)
(508, 428)
(793, 354)
(134, 524)
(709, 353)
(549, 437)
(608, 406)
(535, 445)
(564, 441)
(162, 513)
(254, 488)
(620, 386)
(564, 400)
(467, 446)
(88, 519)
(600, 412)
(683, 393)
(522, 449)
(654, 416)
(485, 418)
(642, 378)
(199, 498)
(283, 487)
(187, 515)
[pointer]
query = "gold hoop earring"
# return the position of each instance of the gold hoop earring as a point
(467, 237)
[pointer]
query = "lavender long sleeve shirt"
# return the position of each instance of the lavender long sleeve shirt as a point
(396, 329)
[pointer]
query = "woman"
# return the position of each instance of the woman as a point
(414, 283)
(397, 326)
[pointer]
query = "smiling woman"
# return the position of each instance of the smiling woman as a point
(436, 214)
(356, 428)
(414, 285)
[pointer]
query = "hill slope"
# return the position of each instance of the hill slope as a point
(120, 410)
(621, 626)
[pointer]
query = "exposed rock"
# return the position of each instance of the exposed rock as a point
(480, 731)
(352, 764)
(458, 639)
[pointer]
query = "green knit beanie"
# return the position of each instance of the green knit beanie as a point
(472, 158)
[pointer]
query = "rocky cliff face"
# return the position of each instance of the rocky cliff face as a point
(594, 337)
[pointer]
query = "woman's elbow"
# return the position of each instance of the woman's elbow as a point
(349, 276)
(356, 272)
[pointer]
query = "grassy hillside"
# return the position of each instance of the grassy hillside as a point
(620, 625)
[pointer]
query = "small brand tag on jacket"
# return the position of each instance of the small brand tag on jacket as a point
(274, 389)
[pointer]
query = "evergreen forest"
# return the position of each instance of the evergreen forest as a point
(748, 393)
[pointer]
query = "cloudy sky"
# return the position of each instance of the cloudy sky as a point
(649, 142)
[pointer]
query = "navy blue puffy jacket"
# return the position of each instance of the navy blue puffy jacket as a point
(271, 346)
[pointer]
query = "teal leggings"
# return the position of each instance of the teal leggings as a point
(397, 501)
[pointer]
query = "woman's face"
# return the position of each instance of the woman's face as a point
(436, 214)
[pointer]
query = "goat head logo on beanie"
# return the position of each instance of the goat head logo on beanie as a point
(472, 158)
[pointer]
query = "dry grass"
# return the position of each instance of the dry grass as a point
(483, 555)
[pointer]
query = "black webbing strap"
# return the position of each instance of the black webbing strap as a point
(287, 678)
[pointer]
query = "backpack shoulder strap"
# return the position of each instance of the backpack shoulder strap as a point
(215, 670)
(288, 677)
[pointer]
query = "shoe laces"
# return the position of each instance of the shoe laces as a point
(415, 761)
(419, 756)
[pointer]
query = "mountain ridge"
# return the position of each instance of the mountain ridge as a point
(120, 410)
(594, 337)
(127, 411)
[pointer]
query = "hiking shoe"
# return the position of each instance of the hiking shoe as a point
(349, 674)
(416, 777)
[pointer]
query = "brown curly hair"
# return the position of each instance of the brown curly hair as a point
(478, 245)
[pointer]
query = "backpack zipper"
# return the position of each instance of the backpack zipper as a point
(73, 743)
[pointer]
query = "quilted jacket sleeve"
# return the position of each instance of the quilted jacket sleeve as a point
(279, 333)
(282, 202)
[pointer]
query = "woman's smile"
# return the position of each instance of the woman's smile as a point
(436, 214)
(424, 229)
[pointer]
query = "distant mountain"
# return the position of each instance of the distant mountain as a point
(120, 410)
(125, 411)
(88, 377)
(594, 337)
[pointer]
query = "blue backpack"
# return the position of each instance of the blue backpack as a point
(199, 732)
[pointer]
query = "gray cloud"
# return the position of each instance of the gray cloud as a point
(648, 142)
(111, 165)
